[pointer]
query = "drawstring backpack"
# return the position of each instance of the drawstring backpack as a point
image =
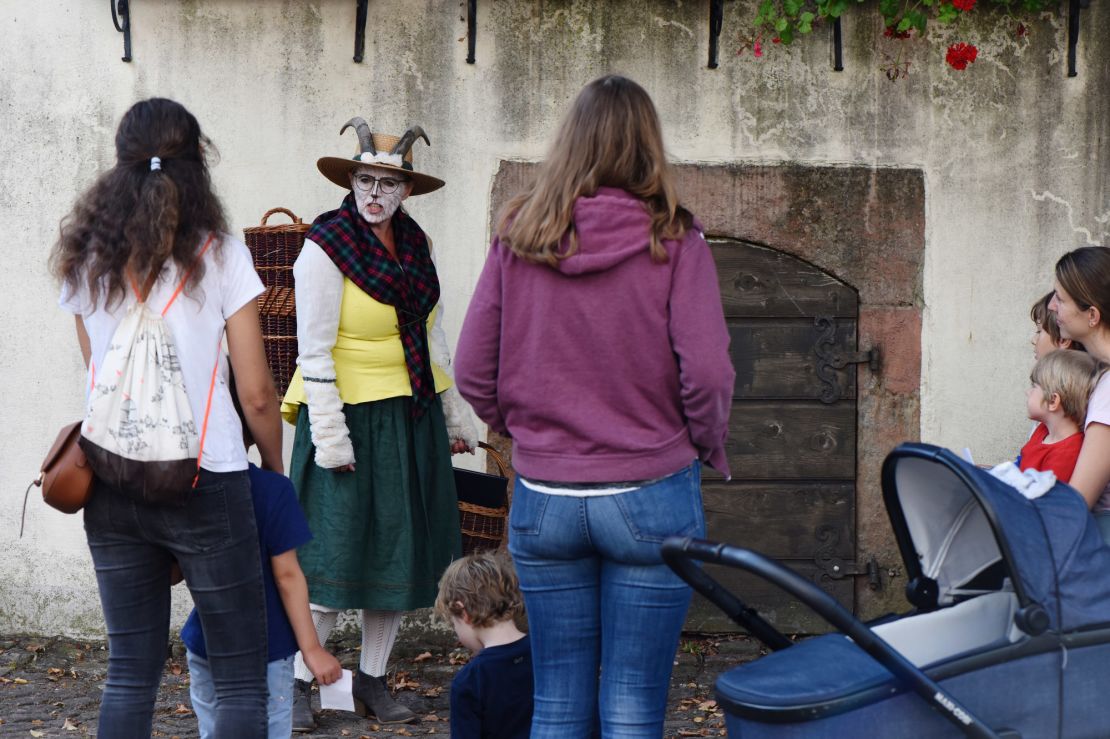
(139, 433)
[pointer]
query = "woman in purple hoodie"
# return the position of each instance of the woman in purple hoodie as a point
(596, 340)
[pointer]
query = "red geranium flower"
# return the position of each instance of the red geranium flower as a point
(960, 55)
(964, 5)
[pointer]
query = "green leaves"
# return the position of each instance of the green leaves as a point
(785, 20)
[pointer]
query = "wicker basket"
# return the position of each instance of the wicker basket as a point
(483, 527)
(274, 249)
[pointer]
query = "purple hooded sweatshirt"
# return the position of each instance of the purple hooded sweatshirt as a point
(609, 367)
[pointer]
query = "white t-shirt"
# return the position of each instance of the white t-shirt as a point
(196, 320)
(1098, 411)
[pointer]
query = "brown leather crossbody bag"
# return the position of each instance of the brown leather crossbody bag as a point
(65, 477)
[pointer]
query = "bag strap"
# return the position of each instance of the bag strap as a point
(185, 278)
(208, 406)
(144, 293)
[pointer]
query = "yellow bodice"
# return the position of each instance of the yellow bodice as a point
(368, 354)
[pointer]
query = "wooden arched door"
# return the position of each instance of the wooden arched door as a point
(792, 440)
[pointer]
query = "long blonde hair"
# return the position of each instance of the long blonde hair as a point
(611, 137)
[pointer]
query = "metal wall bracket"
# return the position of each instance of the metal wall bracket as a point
(121, 19)
(471, 29)
(360, 29)
(838, 46)
(1074, 8)
(716, 21)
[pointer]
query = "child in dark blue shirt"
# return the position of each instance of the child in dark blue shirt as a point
(281, 529)
(491, 696)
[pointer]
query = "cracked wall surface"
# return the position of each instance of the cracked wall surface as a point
(1014, 157)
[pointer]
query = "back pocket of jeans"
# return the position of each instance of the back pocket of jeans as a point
(526, 513)
(671, 507)
(203, 522)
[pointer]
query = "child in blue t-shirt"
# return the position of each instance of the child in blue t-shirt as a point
(281, 529)
(491, 696)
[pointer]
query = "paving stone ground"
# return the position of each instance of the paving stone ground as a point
(50, 687)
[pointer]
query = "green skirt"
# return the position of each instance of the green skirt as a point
(383, 534)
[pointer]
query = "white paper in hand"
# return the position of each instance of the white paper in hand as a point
(337, 696)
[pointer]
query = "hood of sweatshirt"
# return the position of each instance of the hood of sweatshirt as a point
(612, 227)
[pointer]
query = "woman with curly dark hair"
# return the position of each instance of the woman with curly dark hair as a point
(152, 230)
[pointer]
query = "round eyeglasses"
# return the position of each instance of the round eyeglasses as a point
(386, 185)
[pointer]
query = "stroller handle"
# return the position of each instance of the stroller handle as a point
(679, 553)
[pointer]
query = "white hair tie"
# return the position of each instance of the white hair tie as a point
(155, 163)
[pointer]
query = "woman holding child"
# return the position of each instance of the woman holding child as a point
(596, 339)
(153, 221)
(376, 415)
(1081, 303)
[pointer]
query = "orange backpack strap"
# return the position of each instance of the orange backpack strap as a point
(185, 277)
(208, 407)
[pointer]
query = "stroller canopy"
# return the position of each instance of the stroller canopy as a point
(954, 521)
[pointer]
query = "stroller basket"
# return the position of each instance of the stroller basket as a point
(1010, 632)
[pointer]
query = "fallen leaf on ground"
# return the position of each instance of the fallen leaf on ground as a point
(37, 734)
(69, 725)
(404, 732)
(56, 671)
(182, 709)
(690, 732)
(707, 706)
(422, 657)
(433, 692)
(431, 717)
(33, 647)
(19, 681)
(175, 668)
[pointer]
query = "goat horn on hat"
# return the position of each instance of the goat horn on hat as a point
(362, 128)
(405, 143)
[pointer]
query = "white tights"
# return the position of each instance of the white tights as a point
(379, 631)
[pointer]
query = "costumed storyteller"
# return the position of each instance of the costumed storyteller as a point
(376, 412)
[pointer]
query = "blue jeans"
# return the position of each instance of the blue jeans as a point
(600, 599)
(214, 540)
(279, 679)
(1102, 520)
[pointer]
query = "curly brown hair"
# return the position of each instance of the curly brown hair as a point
(484, 586)
(137, 219)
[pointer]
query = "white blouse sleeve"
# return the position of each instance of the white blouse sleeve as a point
(319, 294)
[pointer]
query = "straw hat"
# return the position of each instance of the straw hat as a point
(380, 150)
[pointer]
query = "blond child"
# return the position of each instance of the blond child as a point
(1057, 399)
(491, 696)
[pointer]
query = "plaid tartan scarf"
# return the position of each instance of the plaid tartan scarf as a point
(408, 283)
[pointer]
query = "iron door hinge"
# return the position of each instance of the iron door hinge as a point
(835, 568)
(830, 358)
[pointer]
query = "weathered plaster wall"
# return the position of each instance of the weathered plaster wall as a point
(1014, 157)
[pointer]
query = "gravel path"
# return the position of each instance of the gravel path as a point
(50, 687)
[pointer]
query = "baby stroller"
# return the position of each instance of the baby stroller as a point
(1009, 636)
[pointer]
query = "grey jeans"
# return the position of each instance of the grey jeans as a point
(214, 540)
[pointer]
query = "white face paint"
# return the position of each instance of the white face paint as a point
(373, 204)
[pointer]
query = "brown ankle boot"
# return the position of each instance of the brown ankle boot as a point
(372, 698)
